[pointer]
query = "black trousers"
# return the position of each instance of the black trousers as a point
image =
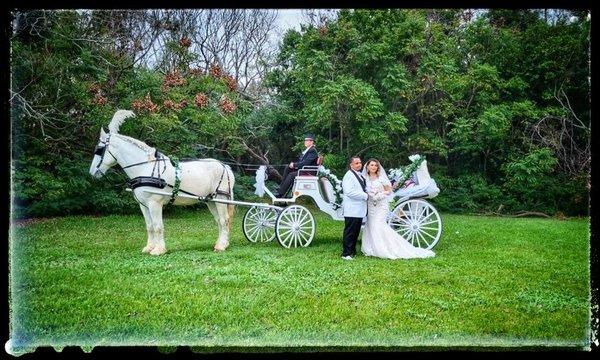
(288, 179)
(351, 232)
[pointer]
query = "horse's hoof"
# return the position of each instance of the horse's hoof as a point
(218, 249)
(157, 251)
(147, 249)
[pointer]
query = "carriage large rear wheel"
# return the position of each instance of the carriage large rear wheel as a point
(295, 227)
(259, 224)
(418, 222)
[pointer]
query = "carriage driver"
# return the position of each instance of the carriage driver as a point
(308, 158)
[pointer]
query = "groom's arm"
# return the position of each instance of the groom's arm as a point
(352, 189)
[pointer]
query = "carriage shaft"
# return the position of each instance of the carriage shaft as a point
(204, 198)
(243, 203)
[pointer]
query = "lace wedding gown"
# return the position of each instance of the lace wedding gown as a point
(379, 239)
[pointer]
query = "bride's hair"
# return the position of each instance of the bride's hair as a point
(369, 162)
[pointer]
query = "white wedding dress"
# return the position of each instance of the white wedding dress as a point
(379, 239)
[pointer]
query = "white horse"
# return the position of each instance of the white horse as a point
(140, 162)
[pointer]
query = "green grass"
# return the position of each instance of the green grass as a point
(494, 282)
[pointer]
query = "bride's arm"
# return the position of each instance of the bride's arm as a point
(378, 195)
(387, 189)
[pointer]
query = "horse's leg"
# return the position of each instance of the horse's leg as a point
(155, 209)
(150, 244)
(213, 210)
(221, 217)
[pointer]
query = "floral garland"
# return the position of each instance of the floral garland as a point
(403, 173)
(175, 161)
(337, 186)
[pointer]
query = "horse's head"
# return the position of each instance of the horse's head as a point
(103, 158)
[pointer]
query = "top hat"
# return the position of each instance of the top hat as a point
(309, 137)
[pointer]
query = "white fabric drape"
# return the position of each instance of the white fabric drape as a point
(261, 175)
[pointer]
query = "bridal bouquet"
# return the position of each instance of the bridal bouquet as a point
(336, 183)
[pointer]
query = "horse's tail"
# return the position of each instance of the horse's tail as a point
(230, 207)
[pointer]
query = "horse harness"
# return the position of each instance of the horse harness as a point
(157, 181)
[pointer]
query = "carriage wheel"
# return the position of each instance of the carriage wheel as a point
(295, 227)
(418, 222)
(259, 224)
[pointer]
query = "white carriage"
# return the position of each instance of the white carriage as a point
(293, 225)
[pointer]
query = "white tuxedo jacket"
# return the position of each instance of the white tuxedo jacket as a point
(355, 199)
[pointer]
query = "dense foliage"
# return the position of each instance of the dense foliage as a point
(487, 100)
(79, 86)
(499, 105)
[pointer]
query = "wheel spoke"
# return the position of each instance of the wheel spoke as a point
(285, 239)
(267, 233)
(429, 222)
(412, 238)
(393, 223)
(410, 210)
(415, 210)
(404, 221)
(423, 237)
(405, 233)
(422, 211)
(432, 213)
(428, 234)
(285, 223)
(301, 237)
(261, 235)
(286, 232)
(427, 228)
(304, 231)
(417, 237)
(253, 231)
(302, 214)
(306, 222)
(305, 239)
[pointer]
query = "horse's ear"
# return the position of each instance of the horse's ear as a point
(102, 133)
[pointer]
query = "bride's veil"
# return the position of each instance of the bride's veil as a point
(382, 175)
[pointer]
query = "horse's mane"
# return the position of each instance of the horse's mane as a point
(118, 119)
(142, 145)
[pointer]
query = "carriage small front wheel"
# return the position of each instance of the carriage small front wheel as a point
(418, 222)
(295, 227)
(259, 224)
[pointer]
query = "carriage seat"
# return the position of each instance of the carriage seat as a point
(311, 170)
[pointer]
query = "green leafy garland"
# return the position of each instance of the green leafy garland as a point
(175, 162)
(337, 186)
(403, 173)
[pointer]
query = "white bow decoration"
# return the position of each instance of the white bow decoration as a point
(260, 180)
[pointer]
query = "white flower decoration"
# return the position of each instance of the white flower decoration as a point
(414, 157)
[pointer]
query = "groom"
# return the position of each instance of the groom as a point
(355, 206)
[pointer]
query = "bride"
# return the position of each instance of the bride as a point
(379, 239)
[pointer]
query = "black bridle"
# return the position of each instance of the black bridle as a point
(101, 151)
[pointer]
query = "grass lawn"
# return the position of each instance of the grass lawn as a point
(495, 282)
